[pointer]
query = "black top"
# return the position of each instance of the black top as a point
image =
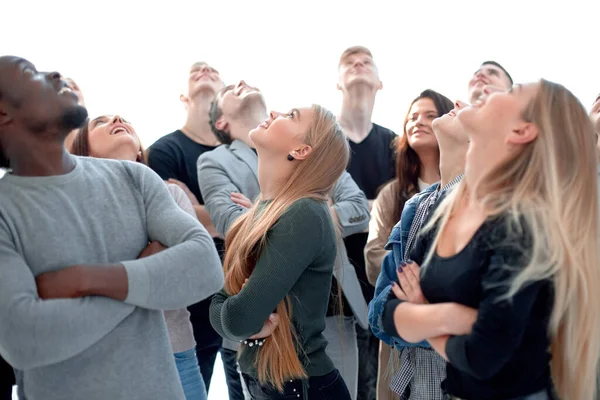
(175, 156)
(373, 161)
(507, 353)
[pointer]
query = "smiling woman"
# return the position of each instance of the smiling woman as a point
(114, 137)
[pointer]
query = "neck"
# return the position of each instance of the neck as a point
(452, 161)
(357, 110)
(240, 129)
(197, 126)
(42, 159)
(430, 166)
(272, 175)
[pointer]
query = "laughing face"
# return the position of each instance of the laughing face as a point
(487, 75)
(418, 129)
(36, 101)
(113, 137)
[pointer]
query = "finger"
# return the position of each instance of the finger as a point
(403, 279)
(398, 292)
(415, 270)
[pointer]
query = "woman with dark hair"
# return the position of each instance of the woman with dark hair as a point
(417, 167)
(113, 137)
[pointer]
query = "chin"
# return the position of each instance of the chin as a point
(73, 118)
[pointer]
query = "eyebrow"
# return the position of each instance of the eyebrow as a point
(97, 119)
(597, 98)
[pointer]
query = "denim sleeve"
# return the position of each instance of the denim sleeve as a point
(383, 288)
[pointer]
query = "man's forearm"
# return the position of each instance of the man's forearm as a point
(109, 281)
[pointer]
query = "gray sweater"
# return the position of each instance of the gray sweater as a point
(96, 348)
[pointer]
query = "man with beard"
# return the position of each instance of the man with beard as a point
(173, 157)
(228, 178)
(82, 291)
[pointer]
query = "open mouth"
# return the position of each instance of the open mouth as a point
(64, 90)
(119, 129)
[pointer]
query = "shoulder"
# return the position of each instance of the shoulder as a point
(219, 153)
(384, 133)
(307, 210)
(168, 142)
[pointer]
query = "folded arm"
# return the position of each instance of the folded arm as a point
(188, 271)
(36, 333)
(216, 188)
(350, 206)
(243, 315)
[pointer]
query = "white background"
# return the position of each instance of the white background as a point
(132, 58)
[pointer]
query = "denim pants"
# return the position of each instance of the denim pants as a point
(189, 374)
(327, 387)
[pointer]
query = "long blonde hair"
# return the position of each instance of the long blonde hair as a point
(314, 177)
(550, 190)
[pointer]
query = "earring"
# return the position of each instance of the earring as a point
(290, 157)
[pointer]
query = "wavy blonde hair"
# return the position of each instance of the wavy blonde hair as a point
(314, 177)
(549, 189)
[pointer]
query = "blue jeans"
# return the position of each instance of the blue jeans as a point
(189, 374)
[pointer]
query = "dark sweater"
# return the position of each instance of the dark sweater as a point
(507, 353)
(297, 260)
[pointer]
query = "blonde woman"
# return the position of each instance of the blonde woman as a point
(507, 287)
(279, 260)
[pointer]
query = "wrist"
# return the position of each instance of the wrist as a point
(106, 280)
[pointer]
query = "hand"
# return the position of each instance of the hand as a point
(241, 200)
(409, 288)
(268, 328)
(66, 283)
(187, 191)
(152, 248)
(461, 319)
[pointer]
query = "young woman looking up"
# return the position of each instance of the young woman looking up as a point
(280, 255)
(110, 136)
(514, 249)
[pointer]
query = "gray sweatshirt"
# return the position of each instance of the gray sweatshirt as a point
(96, 348)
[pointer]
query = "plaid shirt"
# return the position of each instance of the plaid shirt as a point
(421, 369)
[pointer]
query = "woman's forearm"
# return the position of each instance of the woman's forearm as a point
(418, 322)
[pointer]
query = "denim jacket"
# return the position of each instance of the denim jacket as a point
(396, 243)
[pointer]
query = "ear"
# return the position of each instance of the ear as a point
(524, 134)
(220, 124)
(338, 86)
(380, 86)
(183, 99)
(302, 152)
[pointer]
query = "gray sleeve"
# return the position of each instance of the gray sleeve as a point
(351, 206)
(185, 273)
(216, 188)
(37, 333)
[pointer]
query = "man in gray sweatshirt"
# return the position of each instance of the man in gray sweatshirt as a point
(82, 291)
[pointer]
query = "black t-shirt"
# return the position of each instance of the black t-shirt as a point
(373, 161)
(175, 156)
(372, 164)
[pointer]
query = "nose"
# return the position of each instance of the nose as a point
(491, 89)
(54, 76)
(274, 114)
(458, 105)
(117, 120)
(242, 83)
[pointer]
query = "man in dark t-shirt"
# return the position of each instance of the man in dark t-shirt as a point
(173, 157)
(372, 164)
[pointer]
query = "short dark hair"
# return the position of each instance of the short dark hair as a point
(214, 113)
(501, 67)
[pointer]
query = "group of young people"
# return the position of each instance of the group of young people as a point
(323, 256)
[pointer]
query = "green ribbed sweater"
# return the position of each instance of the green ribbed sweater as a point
(297, 260)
